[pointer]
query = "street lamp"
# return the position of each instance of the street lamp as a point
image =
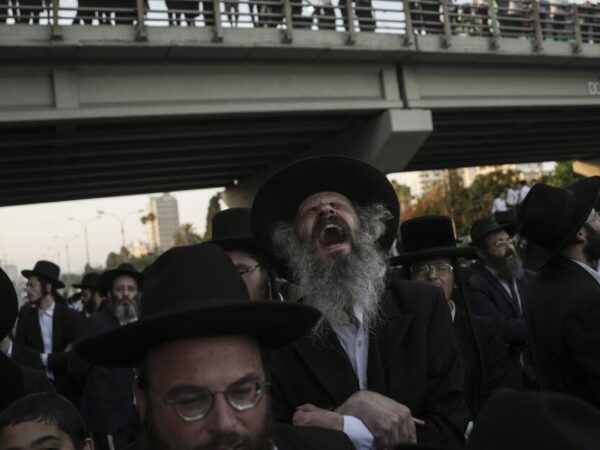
(66, 242)
(85, 232)
(121, 221)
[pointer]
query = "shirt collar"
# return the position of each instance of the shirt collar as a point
(452, 310)
(48, 311)
(589, 270)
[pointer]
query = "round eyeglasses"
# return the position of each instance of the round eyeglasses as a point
(424, 269)
(195, 403)
(242, 270)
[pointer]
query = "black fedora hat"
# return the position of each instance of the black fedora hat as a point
(105, 280)
(89, 281)
(194, 291)
(531, 420)
(280, 196)
(482, 227)
(549, 217)
(47, 270)
(429, 237)
(232, 229)
(9, 305)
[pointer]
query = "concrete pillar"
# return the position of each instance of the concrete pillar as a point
(388, 141)
(587, 168)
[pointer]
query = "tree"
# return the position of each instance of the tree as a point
(186, 235)
(113, 259)
(213, 207)
(405, 200)
(562, 176)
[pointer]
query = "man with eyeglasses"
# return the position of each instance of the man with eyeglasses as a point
(430, 254)
(562, 229)
(201, 382)
(497, 290)
(47, 326)
(107, 392)
(383, 364)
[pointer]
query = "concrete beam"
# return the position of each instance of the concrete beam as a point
(388, 141)
(587, 168)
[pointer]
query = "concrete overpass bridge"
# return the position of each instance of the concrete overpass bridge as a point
(134, 102)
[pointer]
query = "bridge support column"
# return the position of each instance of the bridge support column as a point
(587, 168)
(388, 141)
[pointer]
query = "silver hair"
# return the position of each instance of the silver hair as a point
(335, 288)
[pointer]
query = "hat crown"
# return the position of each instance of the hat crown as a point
(47, 269)
(188, 277)
(547, 214)
(482, 227)
(90, 279)
(422, 233)
(232, 223)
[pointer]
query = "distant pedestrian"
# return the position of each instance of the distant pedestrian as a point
(512, 197)
(499, 205)
(523, 191)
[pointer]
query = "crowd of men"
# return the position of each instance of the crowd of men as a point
(294, 329)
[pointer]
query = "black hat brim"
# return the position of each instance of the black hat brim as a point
(586, 191)
(32, 273)
(439, 252)
(105, 280)
(273, 324)
(227, 244)
(9, 305)
(280, 196)
(509, 227)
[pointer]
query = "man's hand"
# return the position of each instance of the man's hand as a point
(68, 348)
(390, 422)
(310, 416)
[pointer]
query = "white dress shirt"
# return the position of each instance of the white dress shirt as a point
(523, 193)
(499, 205)
(354, 339)
(512, 198)
(45, 317)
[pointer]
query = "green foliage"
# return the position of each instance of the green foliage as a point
(186, 235)
(140, 263)
(563, 175)
(213, 208)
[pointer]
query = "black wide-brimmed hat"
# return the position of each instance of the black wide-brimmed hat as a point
(531, 420)
(429, 237)
(105, 280)
(280, 196)
(195, 291)
(232, 229)
(47, 270)
(482, 227)
(89, 281)
(9, 305)
(549, 217)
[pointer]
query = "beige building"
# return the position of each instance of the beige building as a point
(164, 223)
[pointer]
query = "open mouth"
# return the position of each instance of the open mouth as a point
(332, 234)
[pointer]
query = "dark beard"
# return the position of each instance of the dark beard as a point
(592, 247)
(152, 440)
(505, 268)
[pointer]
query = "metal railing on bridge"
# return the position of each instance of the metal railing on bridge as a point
(530, 19)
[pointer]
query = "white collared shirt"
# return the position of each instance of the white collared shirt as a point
(354, 339)
(589, 270)
(45, 317)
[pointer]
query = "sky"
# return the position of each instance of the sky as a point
(32, 232)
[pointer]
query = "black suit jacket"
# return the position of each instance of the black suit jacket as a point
(481, 379)
(488, 298)
(26, 357)
(413, 359)
(289, 437)
(563, 315)
(65, 328)
(107, 400)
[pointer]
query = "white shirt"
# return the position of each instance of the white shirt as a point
(589, 270)
(523, 193)
(354, 339)
(499, 205)
(45, 317)
(512, 197)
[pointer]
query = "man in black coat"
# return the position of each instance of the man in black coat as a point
(383, 364)
(46, 326)
(201, 382)
(430, 254)
(497, 291)
(107, 400)
(563, 300)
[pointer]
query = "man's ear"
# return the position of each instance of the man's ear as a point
(140, 400)
(581, 235)
(88, 444)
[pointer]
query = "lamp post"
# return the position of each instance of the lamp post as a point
(66, 242)
(121, 221)
(85, 232)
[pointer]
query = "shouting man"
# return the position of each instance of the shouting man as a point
(382, 365)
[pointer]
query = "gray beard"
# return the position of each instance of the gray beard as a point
(507, 270)
(336, 287)
(126, 311)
